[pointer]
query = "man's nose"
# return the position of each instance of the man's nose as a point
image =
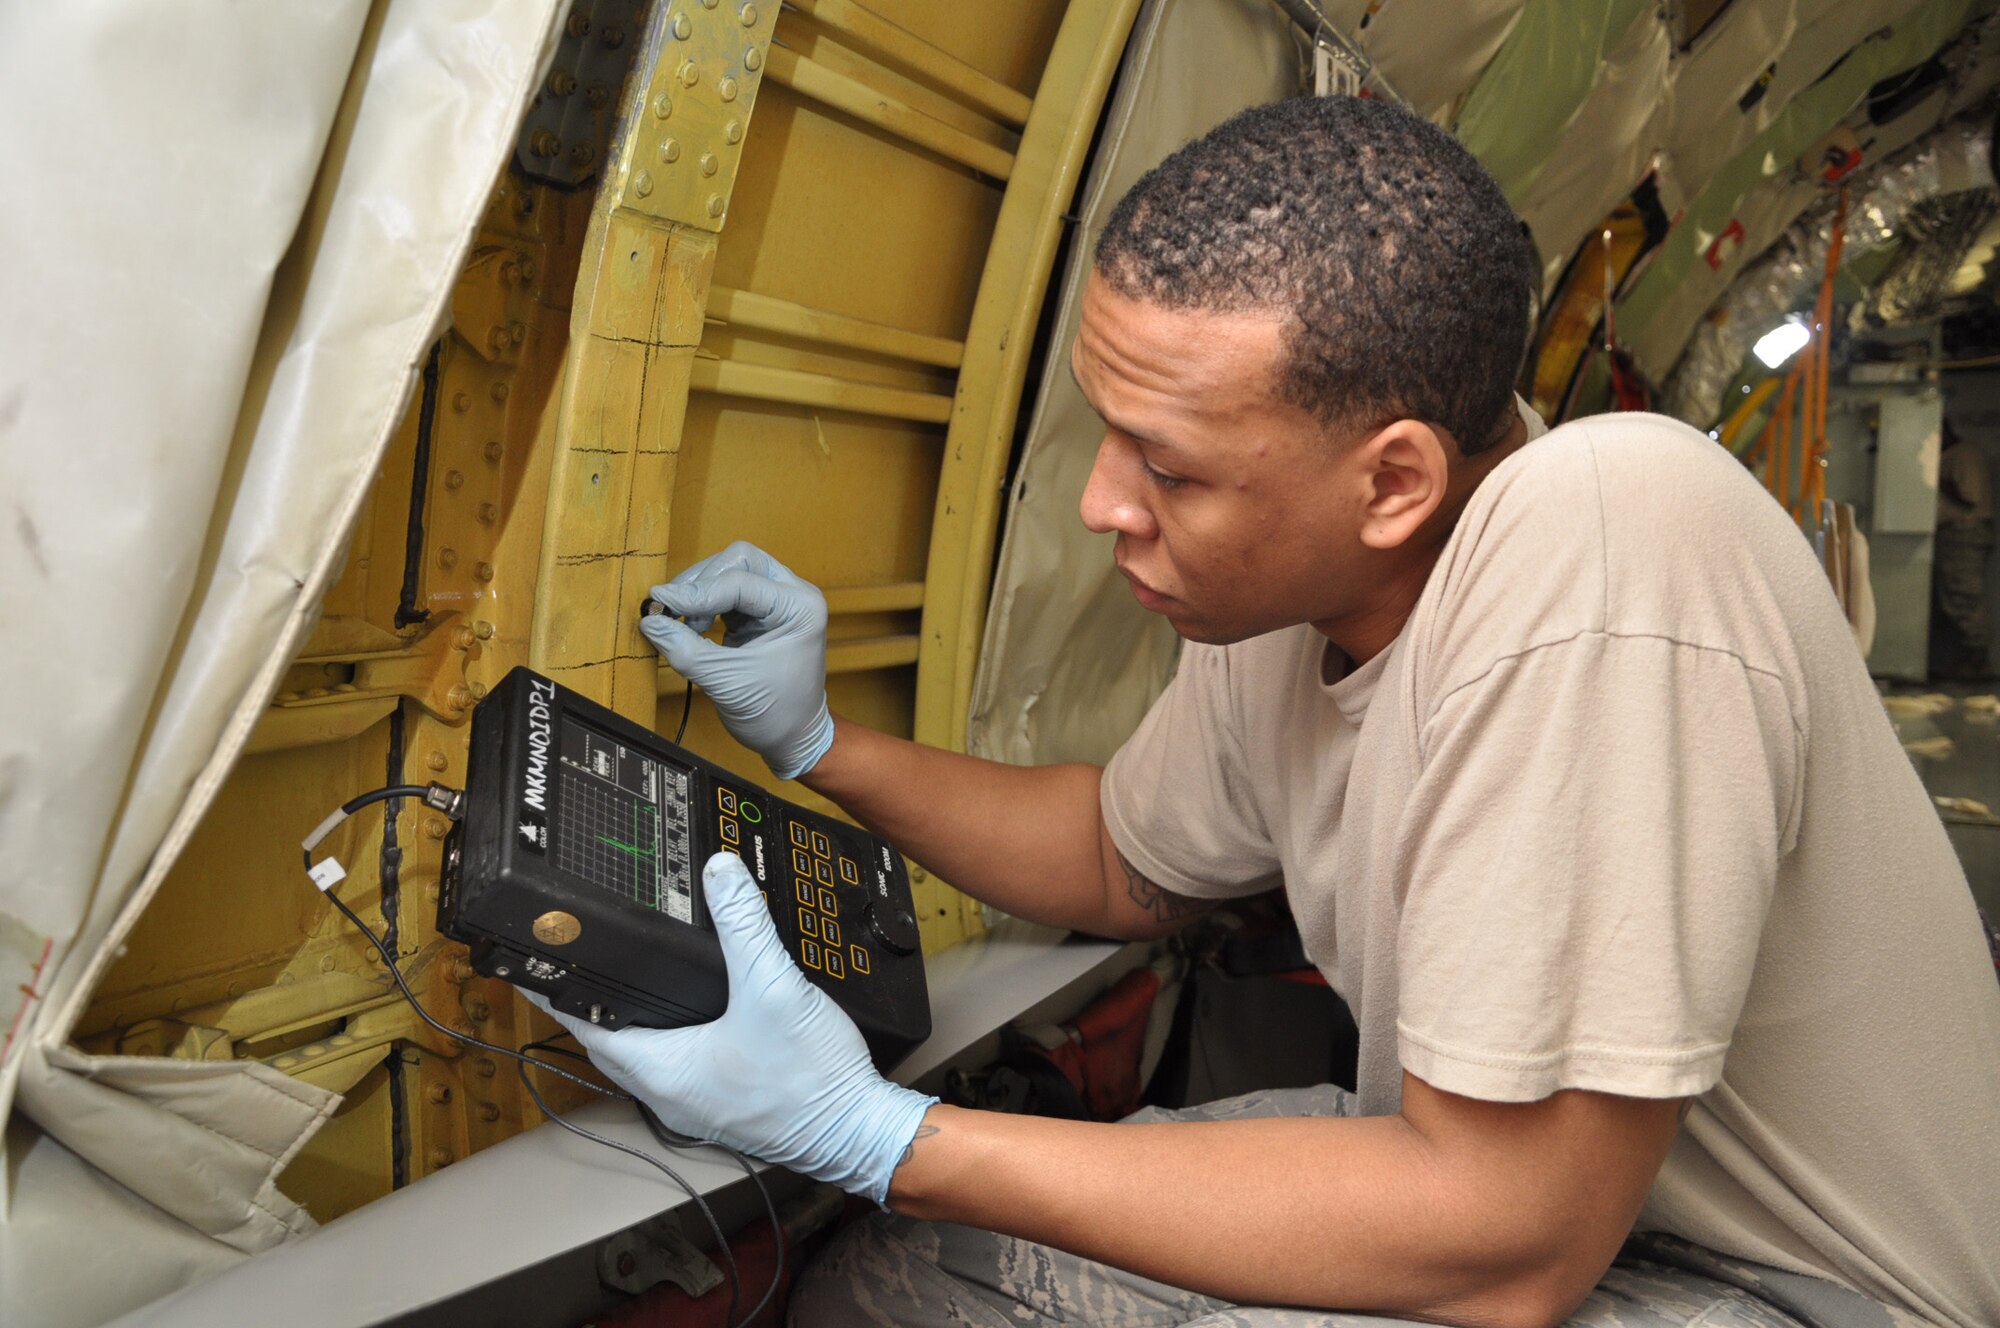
(1108, 504)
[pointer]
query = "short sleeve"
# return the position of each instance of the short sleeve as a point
(1588, 860)
(1177, 798)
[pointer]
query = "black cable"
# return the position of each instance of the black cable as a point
(708, 1214)
(667, 1137)
(687, 708)
(389, 864)
(407, 612)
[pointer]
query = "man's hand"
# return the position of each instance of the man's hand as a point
(783, 1075)
(768, 677)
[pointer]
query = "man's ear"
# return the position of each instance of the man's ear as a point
(1406, 470)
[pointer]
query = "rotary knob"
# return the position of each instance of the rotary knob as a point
(894, 927)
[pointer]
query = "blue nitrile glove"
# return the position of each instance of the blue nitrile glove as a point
(768, 677)
(783, 1075)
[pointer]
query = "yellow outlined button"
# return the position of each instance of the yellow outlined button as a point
(820, 846)
(831, 932)
(801, 864)
(728, 831)
(823, 873)
(726, 800)
(835, 967)
(809, 953)
(808, 922)
(827, 903)
(799, 835)
(849, 872)
(805, 889)
(859, 958)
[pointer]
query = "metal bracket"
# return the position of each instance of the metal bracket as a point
(569, 124)
(640, 1258)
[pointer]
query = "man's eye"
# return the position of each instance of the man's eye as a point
(1161, 478)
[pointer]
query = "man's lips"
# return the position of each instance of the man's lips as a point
(1148, 597)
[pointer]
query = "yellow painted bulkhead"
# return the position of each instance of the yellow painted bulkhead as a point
(795, 306)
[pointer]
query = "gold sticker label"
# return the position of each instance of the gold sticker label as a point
(557, 928)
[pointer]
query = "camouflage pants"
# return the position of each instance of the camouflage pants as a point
(895, 1271)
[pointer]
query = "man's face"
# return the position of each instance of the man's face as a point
(1234, 513)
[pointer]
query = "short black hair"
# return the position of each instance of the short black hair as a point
(1405, 276)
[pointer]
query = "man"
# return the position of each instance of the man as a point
(1959, 624)
(1562, 753)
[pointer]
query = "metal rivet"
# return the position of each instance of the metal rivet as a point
(439, 1093)
(436, 761)
(485, 1068)
(578, 25)
(489, 1112)
(682, 27)
(708, 4)
(478, 1009)
(733, 131)
(670, 150)
(518, 331)
(715, 205)
(614, 38)
(562, 83)
(435, 828)
(708, 163)
(498, 341)
(689, 74)
(315, 1050)
(483, 572)
(488, 514)
(447, 558)
(498, 391)
(582, 154)
(597, 94)
(544, 143)
(453, 479)
(440, 1157)
(642, 184)
(494, 451)
(663, 106)
(285, 1062)
(461, 402)
(749, 15)
(727, 87)
(753, 58)
(483, 630)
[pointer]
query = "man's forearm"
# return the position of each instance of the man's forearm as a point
(1025, 839)
(1484, 1214)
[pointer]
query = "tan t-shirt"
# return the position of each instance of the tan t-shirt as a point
(1621, 810)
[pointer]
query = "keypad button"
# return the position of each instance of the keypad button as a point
(801, 864)
(831, 932)
(827, 904)
(728, 831)
(809, 922)
(751, 811)
(859, 958)
(809, 953)
(835, 966)
(805, 889)
(849, 872)
(800, 836)
(823, 873)
(726, 800)
(821, 846)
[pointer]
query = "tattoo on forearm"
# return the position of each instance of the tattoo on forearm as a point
(910, 1149)
(1161, 902)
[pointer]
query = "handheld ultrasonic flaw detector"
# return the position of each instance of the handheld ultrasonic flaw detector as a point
(575, 872)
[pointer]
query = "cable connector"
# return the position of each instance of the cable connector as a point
(450, 801)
